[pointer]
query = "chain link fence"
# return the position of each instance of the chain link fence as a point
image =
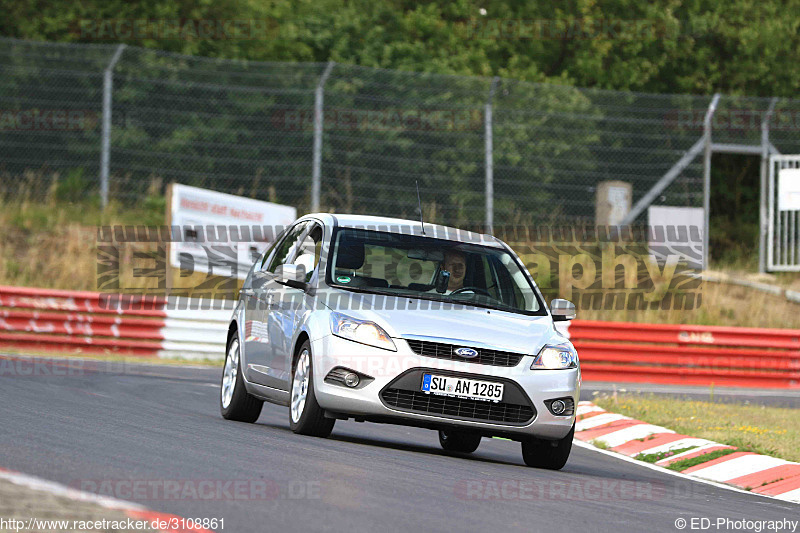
(521, 153)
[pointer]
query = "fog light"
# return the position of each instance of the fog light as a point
(351, 379)
(558, 407)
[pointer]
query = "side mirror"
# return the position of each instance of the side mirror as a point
(291, 275)
(562, 310)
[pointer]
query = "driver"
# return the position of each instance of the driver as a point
(455, 263)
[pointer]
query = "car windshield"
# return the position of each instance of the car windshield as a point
(428, 268)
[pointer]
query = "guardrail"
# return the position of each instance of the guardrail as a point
(687, 354)
(87, 322)
(58, 321)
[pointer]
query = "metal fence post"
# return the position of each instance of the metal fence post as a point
(105, 141)
(316, 171)
(707, 178)
(762, 219)
(489, 158)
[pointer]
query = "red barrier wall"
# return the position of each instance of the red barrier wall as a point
(688, 355)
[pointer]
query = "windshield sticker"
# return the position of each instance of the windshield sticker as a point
(343, 279)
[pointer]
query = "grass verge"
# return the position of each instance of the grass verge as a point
(766, 430)
(654, 457)
(680, 466)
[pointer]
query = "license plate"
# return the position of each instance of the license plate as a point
(462, 387)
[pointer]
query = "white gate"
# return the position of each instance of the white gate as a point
(783, 230)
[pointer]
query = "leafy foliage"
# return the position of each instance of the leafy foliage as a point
(696, 46)
(740, 47)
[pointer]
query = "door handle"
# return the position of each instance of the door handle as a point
(247, 292)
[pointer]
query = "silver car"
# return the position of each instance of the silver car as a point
(395, 321)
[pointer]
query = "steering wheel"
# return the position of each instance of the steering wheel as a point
(476, 290)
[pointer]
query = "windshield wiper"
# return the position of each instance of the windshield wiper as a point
(435, 298)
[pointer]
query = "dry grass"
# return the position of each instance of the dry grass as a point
(54, 244)
(714, 303)
(767, 430)
(722, 305)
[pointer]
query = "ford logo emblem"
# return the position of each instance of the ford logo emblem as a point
(466, 353)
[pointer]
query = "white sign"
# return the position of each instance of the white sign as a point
(679, 232)
(619, 198)
(218, 229)
(789, 189)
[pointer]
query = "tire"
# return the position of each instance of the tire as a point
(548, 454)
(457, 441)
(306, 417)
(235, 403)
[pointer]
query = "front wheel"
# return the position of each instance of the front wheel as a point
(235, 403)
(457, 441)
(549, 454)
(306, 417)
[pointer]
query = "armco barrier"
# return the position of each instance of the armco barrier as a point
(88, 322)
(46, 320)
(689, 355)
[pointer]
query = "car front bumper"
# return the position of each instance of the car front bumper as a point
(385, 367)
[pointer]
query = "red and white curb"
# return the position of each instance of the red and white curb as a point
(131, 510)
(74, 322)
(760, 474)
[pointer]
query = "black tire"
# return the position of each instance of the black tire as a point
(243, 406)
(549, 454)
(458, 441)
(312, 419)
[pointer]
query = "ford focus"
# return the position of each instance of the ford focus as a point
(394, 321)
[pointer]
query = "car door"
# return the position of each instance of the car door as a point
(266, 291)
(290, 303)
(258, 294)
(255, 336)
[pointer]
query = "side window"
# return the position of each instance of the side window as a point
(309, 251)
(268, 253)
(286, 246)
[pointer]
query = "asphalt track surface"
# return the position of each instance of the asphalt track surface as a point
(149, 425)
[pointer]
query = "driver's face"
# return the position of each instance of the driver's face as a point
(457, 266)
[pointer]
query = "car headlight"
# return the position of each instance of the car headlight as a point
(556, 357)
(362, 331)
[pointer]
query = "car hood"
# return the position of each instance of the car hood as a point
(476, 326)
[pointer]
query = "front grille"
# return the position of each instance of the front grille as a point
(420, 402)
(485, 356)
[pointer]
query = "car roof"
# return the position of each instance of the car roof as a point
(407, 227)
